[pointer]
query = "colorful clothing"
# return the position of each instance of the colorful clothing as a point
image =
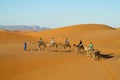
(52, 41)
(25, 46)
(91, 46)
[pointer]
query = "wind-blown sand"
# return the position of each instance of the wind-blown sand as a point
(16, 64)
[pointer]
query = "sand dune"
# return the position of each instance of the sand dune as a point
(14, 37)
(16, 64)
(96, 33)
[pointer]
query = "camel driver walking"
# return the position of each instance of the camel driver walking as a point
(25, 46)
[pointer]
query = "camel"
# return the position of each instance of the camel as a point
(93, 53)
(52, 45)
(66, 45)
(41, 45)
(97, 55)
(80, 48)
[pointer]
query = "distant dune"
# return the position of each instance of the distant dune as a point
(23, 27)
(14, 37)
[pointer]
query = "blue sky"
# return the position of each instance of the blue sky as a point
(59, 13)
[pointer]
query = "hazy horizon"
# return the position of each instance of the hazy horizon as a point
(54, 14)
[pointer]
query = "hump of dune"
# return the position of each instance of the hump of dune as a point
(78, 29)
(74, 32)
(72, 29)
(118, 28)
(84, 27)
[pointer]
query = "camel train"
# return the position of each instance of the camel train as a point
(53, 44)
(90, 51)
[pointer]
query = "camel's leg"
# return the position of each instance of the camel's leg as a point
(78, 50)
(44, 46)
(69, 46)
(64, 46)
(97, 57)
(38, 45)
(94, 56)
(88, 54)
(81, 50)
(56, 45)
(50, 47)
(39, 48)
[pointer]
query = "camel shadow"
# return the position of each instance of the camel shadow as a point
(34, 49)
(106, 56)
(67, 51)
(63, 51)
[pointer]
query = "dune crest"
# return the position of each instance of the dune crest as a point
(91, 27)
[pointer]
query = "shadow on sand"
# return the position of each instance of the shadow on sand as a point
(32, 50)
(62, 51)
(107, 56)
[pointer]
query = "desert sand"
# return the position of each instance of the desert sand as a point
(17, 64)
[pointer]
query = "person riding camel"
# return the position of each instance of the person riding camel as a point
(80, 43)
(90, 48)
(40, 41)
(52, 41)
(91, 45)
(67, 44)
(80, 47)
(67, 41)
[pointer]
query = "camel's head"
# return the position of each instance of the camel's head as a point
(96, 50)
(60, 43)
(74, 44)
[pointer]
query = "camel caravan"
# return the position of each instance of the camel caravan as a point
(53, 45)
